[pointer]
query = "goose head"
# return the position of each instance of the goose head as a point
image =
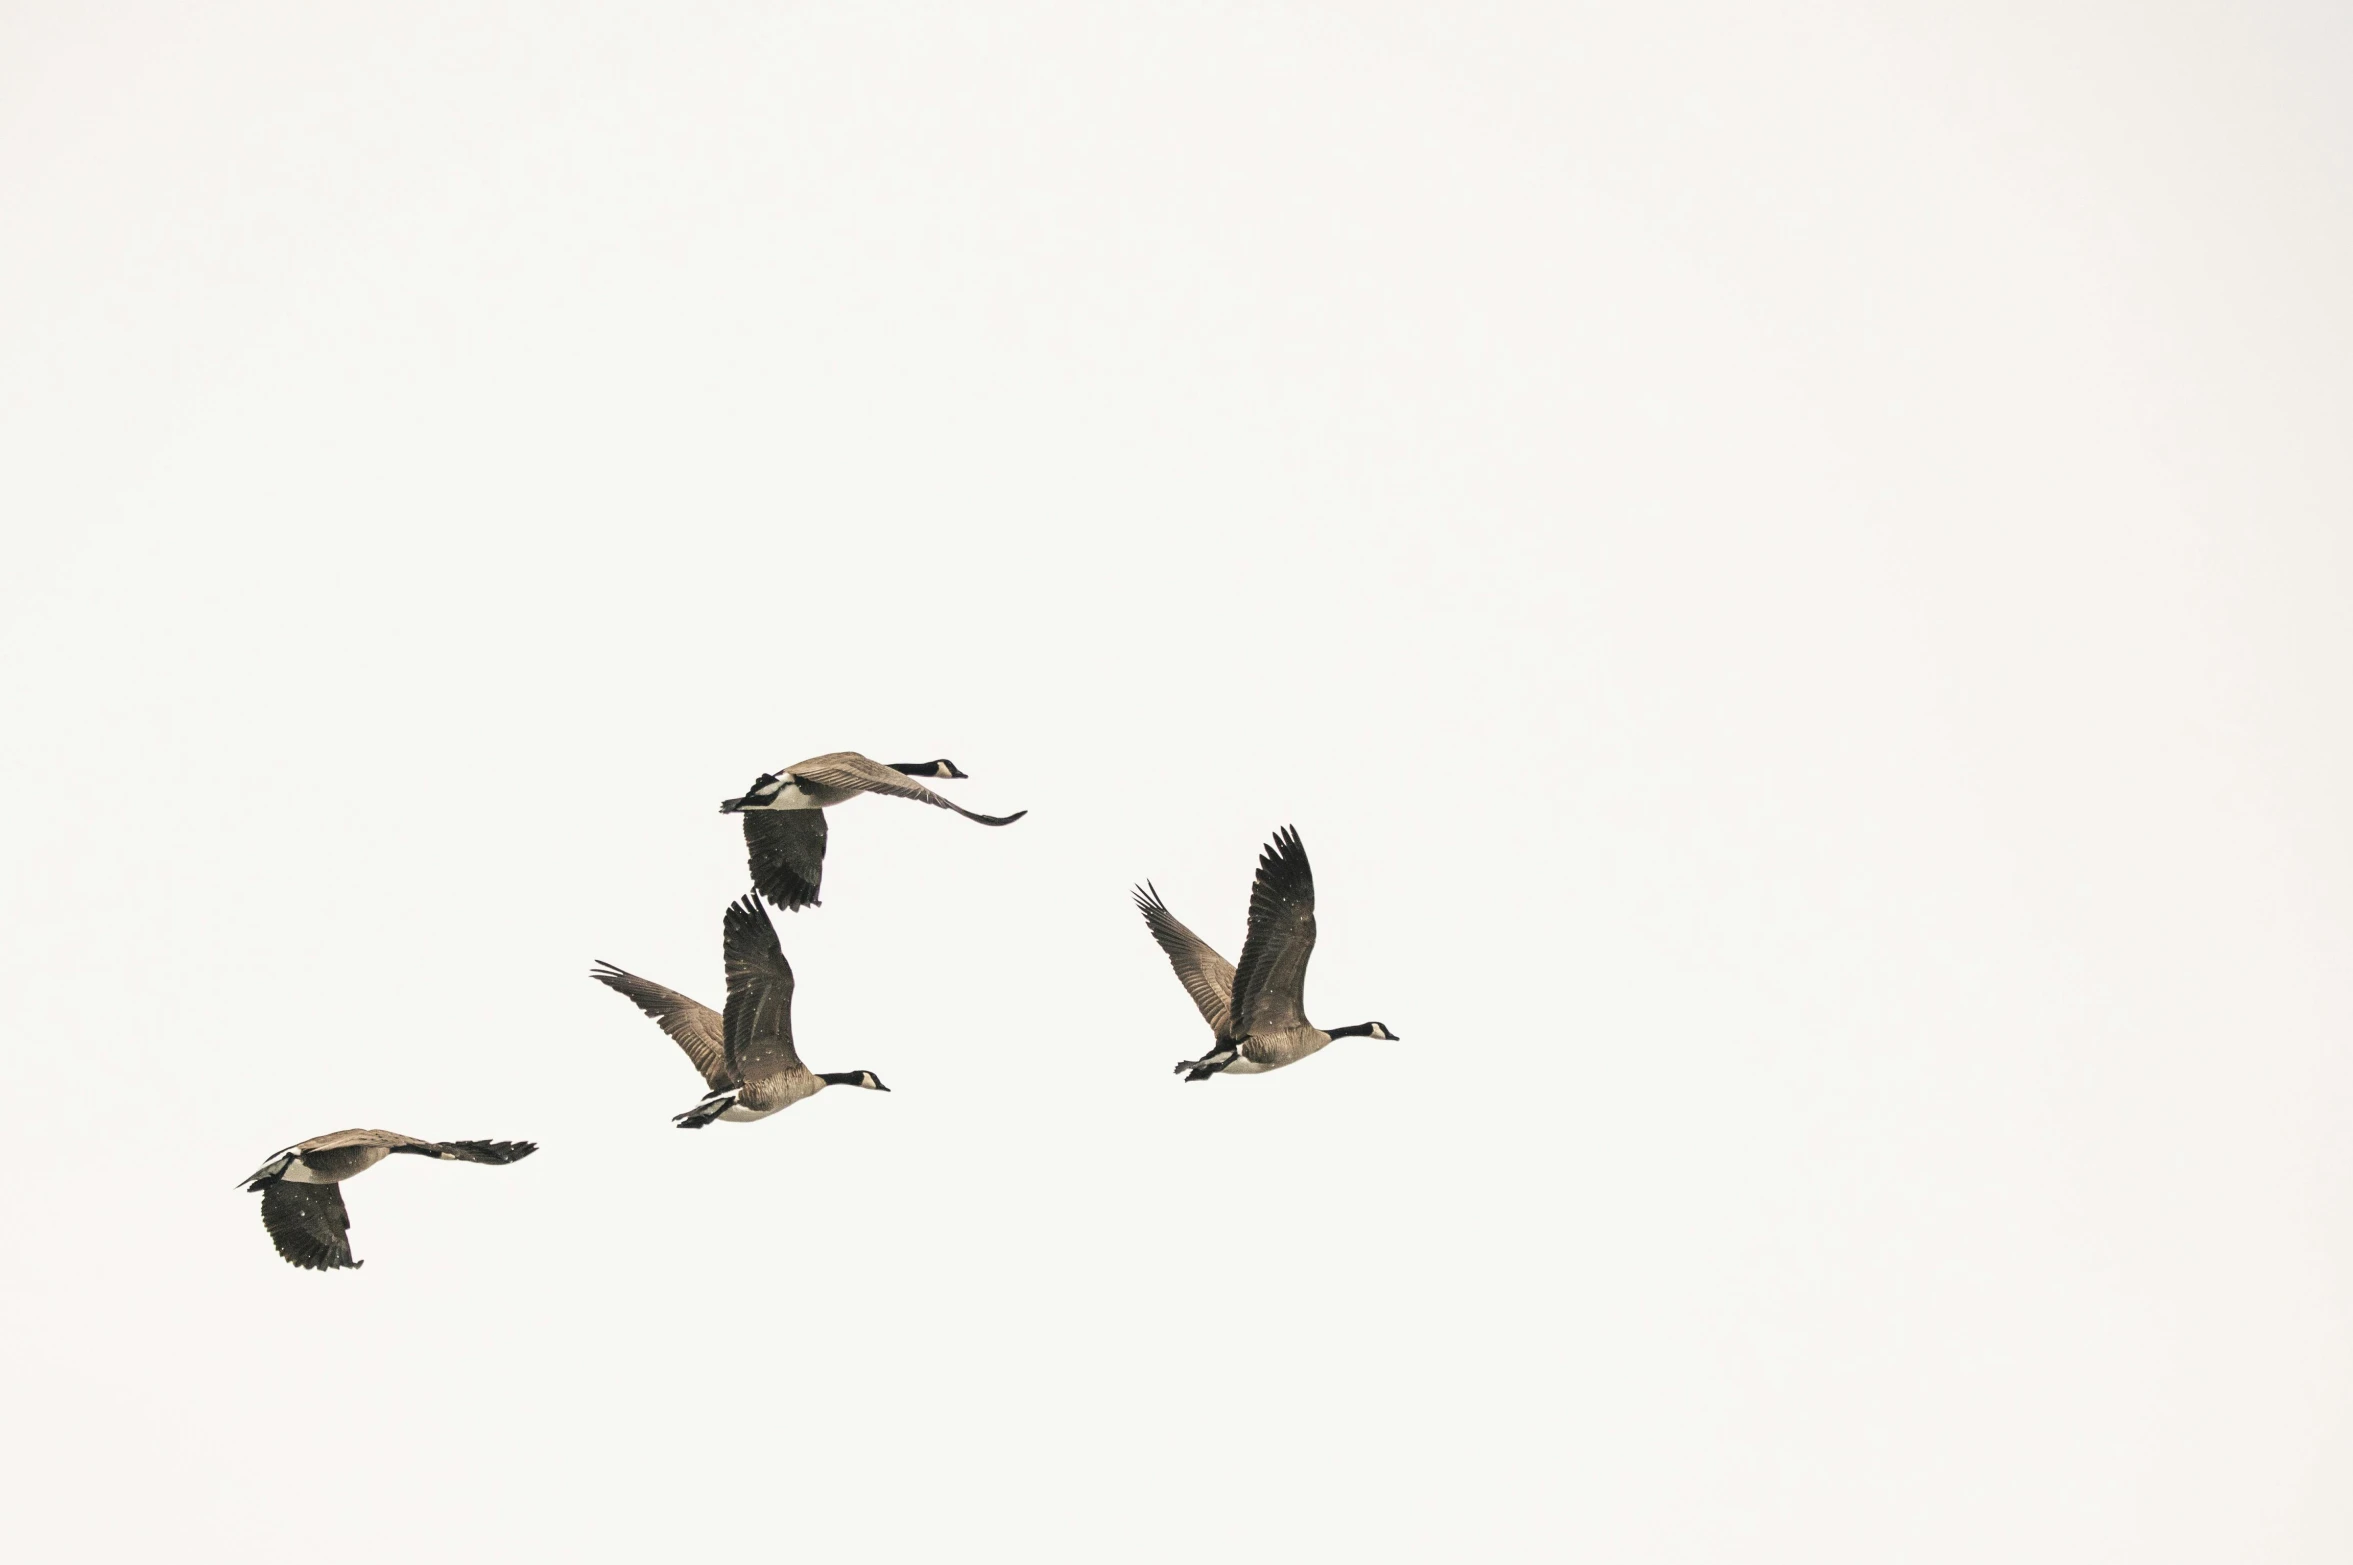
(1365, 1030)
(761, 794)
(866, 1079)
(928, 769)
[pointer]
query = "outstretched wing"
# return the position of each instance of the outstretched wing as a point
(395, 1141)
(759, 1020)
(308, 1224)
(696, 1028)
(1207, 977)
(787, 850)
(1269, 984)
(854, 773)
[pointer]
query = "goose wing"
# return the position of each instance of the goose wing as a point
(1270, 984)
(338, 1140)
(1207, 977)
(308, 1223)
(448, 1151)
(854, 773)
(759, 1020)
(787, 849)
(694, 1027)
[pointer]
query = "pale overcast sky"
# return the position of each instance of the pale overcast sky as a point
(1790, 564)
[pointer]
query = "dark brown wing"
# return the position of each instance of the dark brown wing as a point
(852, 772)
(787, 850)
(308, 1224)
(1269, 984)
(759, 1018)
(694, 1027)
(1207, 977)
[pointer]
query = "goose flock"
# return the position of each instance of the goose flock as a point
(745, 1053)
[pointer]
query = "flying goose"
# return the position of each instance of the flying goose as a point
(746, 1056)
(1255, 1010)
(302, 1204)
(784, 815)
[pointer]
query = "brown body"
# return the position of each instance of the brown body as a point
(1256, 1010)
(746, 1057)
(302, 1204)
(784, 820)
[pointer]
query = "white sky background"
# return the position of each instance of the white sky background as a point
(1789, 563)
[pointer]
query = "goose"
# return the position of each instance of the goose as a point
(1255, 1010)
(746, 1056)
(784, 819)
(302, 1198)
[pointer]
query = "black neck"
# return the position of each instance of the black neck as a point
(1360, 1030)
(841, 1078)
(926, 768)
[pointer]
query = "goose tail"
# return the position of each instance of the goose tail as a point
(706, 1111)
(1209, 1064)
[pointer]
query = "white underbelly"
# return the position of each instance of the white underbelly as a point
(798, 795)
(738, 1113)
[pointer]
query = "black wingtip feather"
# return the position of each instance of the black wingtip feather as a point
(786, 853)
(497, 1151)
(1284, 859)
(308, 1225)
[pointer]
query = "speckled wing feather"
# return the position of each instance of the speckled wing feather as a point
(787, 853)
(759, 994)
(693, 1026)
(1207, 977)
(854, 773)
(308, 1224)
(1270, 983)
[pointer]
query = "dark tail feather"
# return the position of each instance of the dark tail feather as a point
(1209, 1064)
(704, 1112)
